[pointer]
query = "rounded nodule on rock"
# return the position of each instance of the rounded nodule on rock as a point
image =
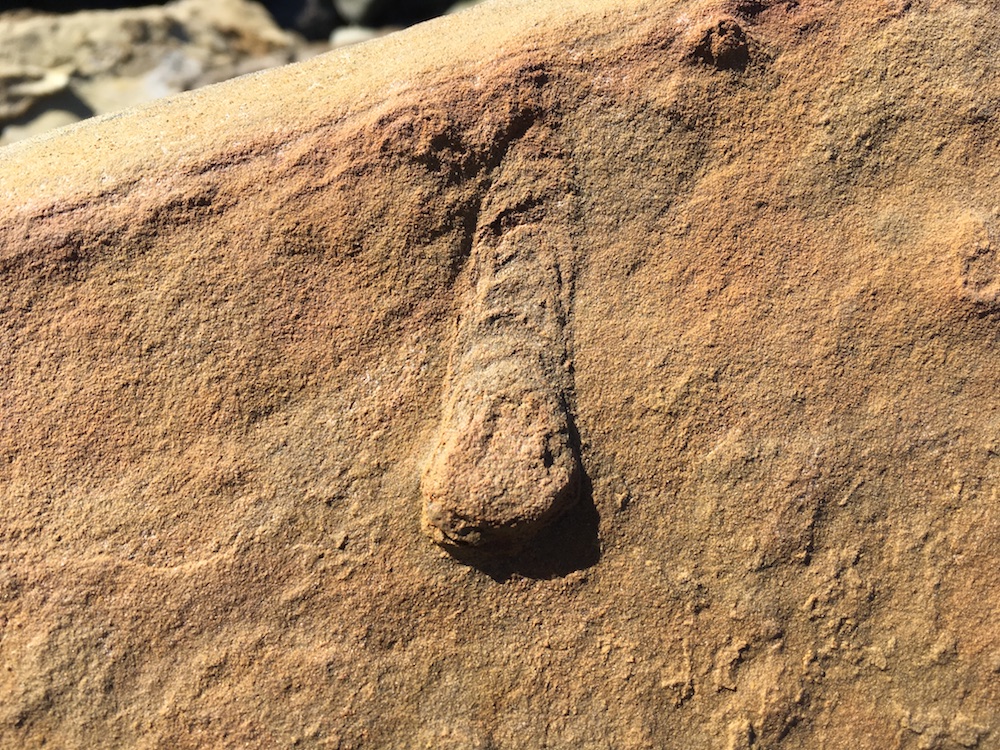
(723, 45)
(501, 471)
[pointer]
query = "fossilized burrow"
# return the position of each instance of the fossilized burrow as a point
(504, 463)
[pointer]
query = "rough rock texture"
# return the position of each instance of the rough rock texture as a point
(752, 254)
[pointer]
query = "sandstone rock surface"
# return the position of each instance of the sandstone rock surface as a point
(744, 255)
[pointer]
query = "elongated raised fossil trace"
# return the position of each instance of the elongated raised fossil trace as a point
(504, 463)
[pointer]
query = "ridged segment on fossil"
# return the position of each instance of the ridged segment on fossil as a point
(504, 464)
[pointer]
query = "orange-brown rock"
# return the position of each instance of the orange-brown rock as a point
(730, 267)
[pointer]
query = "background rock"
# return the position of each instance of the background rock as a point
(347, 35)
(230, 324)
(81, 64)
(101, 61)
(21, 86)
(314, 19)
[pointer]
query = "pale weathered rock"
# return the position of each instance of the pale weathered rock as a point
(131, 41)
(22, 87)
(50, 119)
(733, 263)
(109, 60)
(344, 36)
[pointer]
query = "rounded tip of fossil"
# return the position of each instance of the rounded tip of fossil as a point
(496, 479)
(490, 537)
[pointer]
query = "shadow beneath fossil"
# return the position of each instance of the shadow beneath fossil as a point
(569, 544)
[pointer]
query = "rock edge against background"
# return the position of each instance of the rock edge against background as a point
(765, 238)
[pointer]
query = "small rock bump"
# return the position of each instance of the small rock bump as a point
(981, 273)
(976, 244)
(723, 45)
(501, 471)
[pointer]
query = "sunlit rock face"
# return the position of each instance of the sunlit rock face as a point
(616, 375)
